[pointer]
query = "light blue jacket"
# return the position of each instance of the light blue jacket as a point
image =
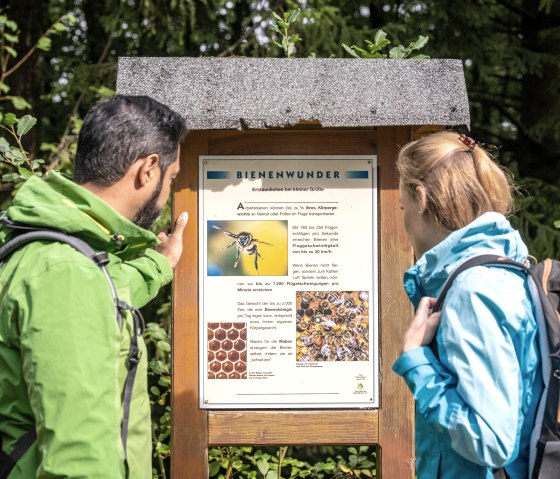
(476, 404)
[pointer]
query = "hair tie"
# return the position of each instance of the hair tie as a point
(468, 141)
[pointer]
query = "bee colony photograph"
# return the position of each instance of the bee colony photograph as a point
(332, 326)
(247, 248)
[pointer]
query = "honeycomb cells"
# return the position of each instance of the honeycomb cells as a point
(227, 350)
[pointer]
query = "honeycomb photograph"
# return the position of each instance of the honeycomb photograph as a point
(227, 350)
(332, 326)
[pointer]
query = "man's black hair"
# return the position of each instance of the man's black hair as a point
(120, 130)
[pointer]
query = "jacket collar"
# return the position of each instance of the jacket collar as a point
(61, 204)
(489, 233)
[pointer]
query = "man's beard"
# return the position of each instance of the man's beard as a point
(148, 214)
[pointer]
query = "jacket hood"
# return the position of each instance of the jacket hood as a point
(59, 203)
(490, 233)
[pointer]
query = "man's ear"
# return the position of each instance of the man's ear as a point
(148, 169)
(422, 199)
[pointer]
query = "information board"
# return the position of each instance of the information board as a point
(288, 268)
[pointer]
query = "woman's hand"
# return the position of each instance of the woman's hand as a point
(423, 326)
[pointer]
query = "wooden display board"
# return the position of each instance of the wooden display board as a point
(391, 425)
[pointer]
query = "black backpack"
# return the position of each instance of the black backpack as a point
(544, 286)
(27, 235)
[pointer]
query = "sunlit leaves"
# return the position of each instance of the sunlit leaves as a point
(378, 48)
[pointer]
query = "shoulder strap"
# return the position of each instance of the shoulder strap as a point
(101, 259)
(8, 461)
(479, 260)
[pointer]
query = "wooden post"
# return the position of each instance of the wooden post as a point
(390, 426)
(396, 414)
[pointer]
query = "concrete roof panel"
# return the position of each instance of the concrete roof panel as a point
(259, 93)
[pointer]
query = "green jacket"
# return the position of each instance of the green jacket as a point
(62, 356)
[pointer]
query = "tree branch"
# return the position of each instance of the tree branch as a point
(54, 159)
(244, 37)
(507, 4)
(32, 50)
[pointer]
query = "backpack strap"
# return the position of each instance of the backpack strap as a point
(478, 260)
(101, 259)
(8, 461)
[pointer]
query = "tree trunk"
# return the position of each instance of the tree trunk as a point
(27, 81)
(539, 142)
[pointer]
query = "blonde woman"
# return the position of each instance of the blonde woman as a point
(476, 398)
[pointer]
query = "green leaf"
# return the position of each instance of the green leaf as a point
(4, 88)
(10, 177)
(11, 38)
(294, 38)
(25, 173)
(19, 103)
(102, 91)
(10, 119)
(3, 144)
(350, 50)
(556, 224)
(293, 15)
(396, 52)
(163, 346)
(263, 466)
(25, 123)
(155, 390)
(420, 57)
(60, 27)
(278, 17)
(373, 47)
(35, 163)
(44, 44)
(10, 50)
(421, 42)
(15, 155)
(8, 23)
(213, 468)
(361, 51)
(164, 381)
(274, 28)
(71, 19)
(379, 35)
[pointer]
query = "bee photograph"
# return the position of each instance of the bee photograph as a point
(247, 248)
(332, 326)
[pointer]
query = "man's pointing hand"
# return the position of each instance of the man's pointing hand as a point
(172, 245)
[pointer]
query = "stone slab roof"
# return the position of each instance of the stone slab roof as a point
(260, 93)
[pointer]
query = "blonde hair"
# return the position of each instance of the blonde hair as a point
(461, 180)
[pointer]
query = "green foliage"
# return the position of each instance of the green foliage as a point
(536, 218)
(291, 463)
(9, 38)
(377, 48)
(15, 163)
(159, 376)
(282, 27)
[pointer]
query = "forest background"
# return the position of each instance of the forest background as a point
(511, 55)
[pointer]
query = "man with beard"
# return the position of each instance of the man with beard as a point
(64, 358)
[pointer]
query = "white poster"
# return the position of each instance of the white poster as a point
(288, 275)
